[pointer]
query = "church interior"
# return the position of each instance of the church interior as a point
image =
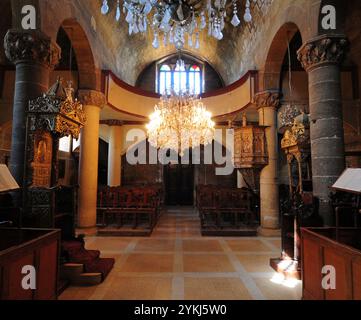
(180, 150)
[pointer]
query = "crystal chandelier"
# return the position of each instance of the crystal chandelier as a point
(180, 64)
(180, 122)
(175, 21)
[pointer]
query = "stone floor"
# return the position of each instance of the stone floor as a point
(176, 263)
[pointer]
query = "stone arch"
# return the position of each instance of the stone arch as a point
(65, 14)
(270, 77)
(303, 16)
(89, 75)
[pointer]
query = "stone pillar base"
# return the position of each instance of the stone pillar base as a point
(265, 232)
(89, 232)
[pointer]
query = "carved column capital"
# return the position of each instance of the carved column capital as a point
(112, 123)
(267, 99)
(92, 98)
(325, 49)
(33, 46)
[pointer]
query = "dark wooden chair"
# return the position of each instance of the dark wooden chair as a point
(222, 208)
(132, 203)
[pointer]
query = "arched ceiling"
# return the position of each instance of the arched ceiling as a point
(243, 48)
(127, 56)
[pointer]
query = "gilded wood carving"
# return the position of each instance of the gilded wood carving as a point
(296, 145)
(42, 162)
(54, 115)
(250, 147)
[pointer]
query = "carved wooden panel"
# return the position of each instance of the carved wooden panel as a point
(250, 148)
(42, 162)
(320, 248)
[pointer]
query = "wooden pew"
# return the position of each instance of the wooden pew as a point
(225, 209)
(122, 202)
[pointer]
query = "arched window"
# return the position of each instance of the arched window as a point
(165, 78)
(188, 78)
(195, 85)
(180, 79)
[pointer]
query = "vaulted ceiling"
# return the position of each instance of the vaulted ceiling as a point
(129, 55)
(242, 48)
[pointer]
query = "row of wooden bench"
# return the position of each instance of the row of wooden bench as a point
(225, 207)
(129, 203)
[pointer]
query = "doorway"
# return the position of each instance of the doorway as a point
(179, 184)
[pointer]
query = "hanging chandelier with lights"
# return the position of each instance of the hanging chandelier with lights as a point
(179, 122)
(175, 20)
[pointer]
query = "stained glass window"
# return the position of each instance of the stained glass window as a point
(165, 78)
(180, 80)
(195, 79)
(189, 78)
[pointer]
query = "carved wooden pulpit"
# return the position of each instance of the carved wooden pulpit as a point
(49, 118)
(250, 151)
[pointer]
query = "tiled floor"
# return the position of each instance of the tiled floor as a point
(177, 263)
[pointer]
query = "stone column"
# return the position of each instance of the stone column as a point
(114, 153)
(267, 103)
(34, 55)
(321, 58)
(93, 102)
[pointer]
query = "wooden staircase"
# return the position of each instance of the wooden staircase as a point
(74, 274)
(83, 267)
